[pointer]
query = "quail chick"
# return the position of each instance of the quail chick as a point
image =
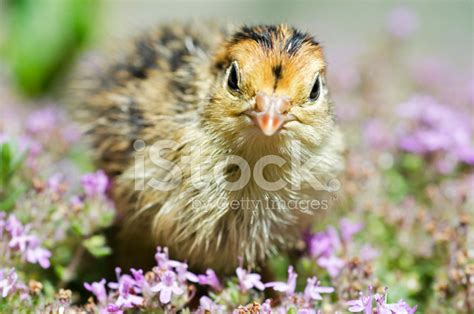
(164, 118)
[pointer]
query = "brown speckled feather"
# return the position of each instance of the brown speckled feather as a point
(170, 85)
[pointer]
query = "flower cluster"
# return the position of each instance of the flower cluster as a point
(171, 286)
(365, 304)
(165, 286)
(48, 217)
(16, 239)
(330, 246)
(435, 129)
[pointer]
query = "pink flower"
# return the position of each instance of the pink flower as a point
(323, 243)
(38, 255)
(42, 120)
(249, 280)
(210, 279)
(332, 264)
(167, 287)
(206, 305)
(95, 184)
(184, 274)
(364, 303)
(127, 299)
(401, 307)
(163, 261)
(76, 202)
(112, 308)
(313, 290)
(8, 280)
(432, 127)
(98, 289)
(349, 228)
(266, 307)
(28, 245)
(55, 182)
(287, 287)
(127, 290)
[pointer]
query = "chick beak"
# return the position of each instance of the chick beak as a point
(270, 112)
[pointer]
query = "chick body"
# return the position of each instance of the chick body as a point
(171, 87)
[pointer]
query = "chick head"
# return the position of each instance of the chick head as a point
(269, 85)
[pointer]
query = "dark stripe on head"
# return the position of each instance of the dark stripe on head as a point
(296, 41)
(262, 34)
(290, 40)
(277, 73)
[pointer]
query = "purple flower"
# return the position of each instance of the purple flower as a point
(76, 202)
(14, 226)
(95, 184)
(287, 287)
(20, 242)
(127, 299)
(348, 229)
(163, 261)
(37, 255)
(8, 279)
(206, 305)
(184, 274)
(112, 308)
(249, 280)
(465, 154)
(401, 307)
(167, 287)
(432, 127)
(266, 307)
(210, 279)
(332, 264)
(323, 243)
(54, 183)
(98, 289)
(313, 290)
(120, 278)
(137, 275)
(361, 304)
(318, 244)
(126, 288)
(28, 245)
(402, 22)
(364, 303)
(42, 121)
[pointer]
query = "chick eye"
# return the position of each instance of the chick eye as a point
(316, 90)
(233, 77)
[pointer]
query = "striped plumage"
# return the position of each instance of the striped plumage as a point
(195, 84)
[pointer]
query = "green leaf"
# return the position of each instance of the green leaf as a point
(97, 246)
(43, 39)
(60, 272)
(5, 163)
(7, 203)
(291, 310)
(397, 187)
